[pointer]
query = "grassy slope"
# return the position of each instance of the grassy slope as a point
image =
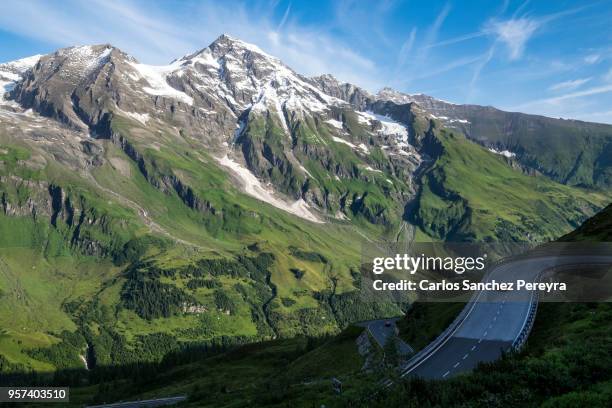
(570, 151)
(471, 193)
(240, 221)
(45, 286)
(56, 267)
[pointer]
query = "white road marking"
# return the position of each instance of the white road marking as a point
(474, 347)
(456, 365)
(465, 356)
(445, 374)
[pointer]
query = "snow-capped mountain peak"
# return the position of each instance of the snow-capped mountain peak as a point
(13, 71)
(225, 43)
(21, 65)
(242, 76)
(237, 102)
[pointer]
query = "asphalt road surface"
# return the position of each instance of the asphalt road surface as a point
(493, 322)
(382, 330)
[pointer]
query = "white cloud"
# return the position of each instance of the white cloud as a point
(406, 48)
(514, 33)
(458, 63)
(569, 85)
(592, 58)
(579, 94)
(419, 62)
(457, 39)
(591, 105)
(558, 103)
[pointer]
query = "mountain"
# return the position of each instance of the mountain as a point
(571, 152)
(225, 198)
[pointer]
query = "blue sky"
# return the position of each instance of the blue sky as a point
(546, 57)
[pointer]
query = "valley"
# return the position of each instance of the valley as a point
(225, 199)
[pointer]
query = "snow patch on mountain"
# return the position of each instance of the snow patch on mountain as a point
(23, 64)
(505, 153)
(340, 140)
(390, 127)
(156, 77)
(248, 46)
(6, 85)
(390, 94)
(268, 97)
(80, 61)
(360, 146)
(363, 147)
(204, 58)
(450, 120)
(335, 123)
(140, 117)
(369, 168)
(253, 187)
(13, 71)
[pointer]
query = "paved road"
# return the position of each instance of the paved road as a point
(492, 323)
(381, 333)
(152, 403)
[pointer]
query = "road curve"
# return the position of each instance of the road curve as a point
(491, 323)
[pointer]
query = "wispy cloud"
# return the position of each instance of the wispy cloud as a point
(457, 39)
(592, 58)
(514, 33)
(432, 33)
(561, 98)
(406, 48)
(431, 36)
(569, 85)
(483, 61)
(285, 18)
(583, 105)
(458, 63)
